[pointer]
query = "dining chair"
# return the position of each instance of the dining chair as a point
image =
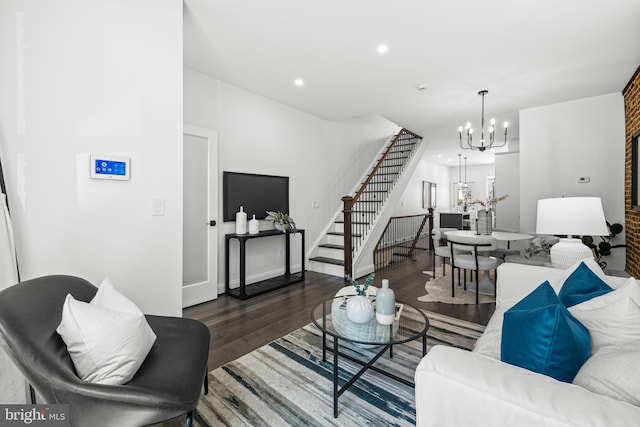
(439, 237)
(471, 252)
(168, 384)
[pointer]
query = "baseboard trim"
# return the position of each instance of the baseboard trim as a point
(198, 293)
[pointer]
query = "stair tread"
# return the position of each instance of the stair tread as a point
(337, 233)
(331, 246)
(340, 221)
(327, 260)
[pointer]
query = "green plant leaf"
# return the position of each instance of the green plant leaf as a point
(616, 228)
(588, 240)
(604, 248)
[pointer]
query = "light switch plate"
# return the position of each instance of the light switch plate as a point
(158, 207)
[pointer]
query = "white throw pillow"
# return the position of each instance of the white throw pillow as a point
(106, 345)
(613, 318)
(108, 297)
(613, 371)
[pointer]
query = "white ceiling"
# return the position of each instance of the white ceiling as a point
(527, 53)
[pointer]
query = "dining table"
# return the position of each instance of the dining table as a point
(485, 286)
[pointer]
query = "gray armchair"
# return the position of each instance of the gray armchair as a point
(167, 385)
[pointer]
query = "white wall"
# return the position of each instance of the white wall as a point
(324, 160)
(80, 77)
(411, 201)
(561, 142)
(508, 182)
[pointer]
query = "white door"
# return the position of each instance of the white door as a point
(199, 218)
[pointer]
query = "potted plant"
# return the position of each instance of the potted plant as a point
(359, 307)
(603, 248)
(282, 221)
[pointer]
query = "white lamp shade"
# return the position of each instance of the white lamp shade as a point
(582, 216)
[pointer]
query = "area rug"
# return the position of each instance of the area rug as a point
(286, 383)
(438, 289)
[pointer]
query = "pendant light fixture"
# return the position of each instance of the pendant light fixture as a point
(465, 170)
(484, 144)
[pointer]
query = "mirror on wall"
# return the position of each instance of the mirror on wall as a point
(428, 194)
(635, 172)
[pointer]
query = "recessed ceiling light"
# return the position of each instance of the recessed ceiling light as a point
(383, 48)
(298, 82)
(421, 86)
(439, 156)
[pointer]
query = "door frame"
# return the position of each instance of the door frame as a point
(198, 293)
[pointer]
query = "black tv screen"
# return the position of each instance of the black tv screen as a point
(255, 193)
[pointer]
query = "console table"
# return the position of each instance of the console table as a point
(288, 278)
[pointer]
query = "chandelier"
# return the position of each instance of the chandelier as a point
(484, 144)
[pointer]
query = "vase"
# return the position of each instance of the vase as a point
(484, 222)
(385, 304)
(359, 309)
(254, 225)
(241, 221)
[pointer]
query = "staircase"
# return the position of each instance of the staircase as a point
(363, 210)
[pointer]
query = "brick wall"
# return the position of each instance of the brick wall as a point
(631, 94)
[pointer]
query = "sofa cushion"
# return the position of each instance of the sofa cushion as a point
(539, 334)
(582, 285)
(558, 280)
(107, 339)
(613, 318)
(613, 371)
(108, 297)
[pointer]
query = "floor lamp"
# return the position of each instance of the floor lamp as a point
(571, 216)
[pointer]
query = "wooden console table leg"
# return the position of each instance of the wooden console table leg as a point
(227, 288)
(287, 245)
(302, 253)
(243, 269)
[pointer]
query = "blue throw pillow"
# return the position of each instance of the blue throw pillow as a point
(582, 285)
(540, 334)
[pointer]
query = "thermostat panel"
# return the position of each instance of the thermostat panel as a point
(110, 167)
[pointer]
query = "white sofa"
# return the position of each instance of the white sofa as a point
(456, 387)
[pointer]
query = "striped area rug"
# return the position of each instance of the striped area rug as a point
(286, 383)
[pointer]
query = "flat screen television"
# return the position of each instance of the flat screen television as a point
(255, 193)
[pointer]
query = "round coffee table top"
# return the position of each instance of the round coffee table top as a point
(330, 317)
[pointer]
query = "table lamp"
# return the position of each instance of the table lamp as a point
(571, 216)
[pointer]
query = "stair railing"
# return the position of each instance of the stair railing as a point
(361, 209)
(401, 240)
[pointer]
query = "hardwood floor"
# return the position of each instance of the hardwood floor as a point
(239, 327)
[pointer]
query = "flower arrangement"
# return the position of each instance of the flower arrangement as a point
(361, 289)
(282, 221)
(490, 203)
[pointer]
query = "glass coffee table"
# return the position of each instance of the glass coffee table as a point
(330, 317)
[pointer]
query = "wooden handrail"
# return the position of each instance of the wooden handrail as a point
(382, 159)
(349, 201)
(348, 248)
(400, 238)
